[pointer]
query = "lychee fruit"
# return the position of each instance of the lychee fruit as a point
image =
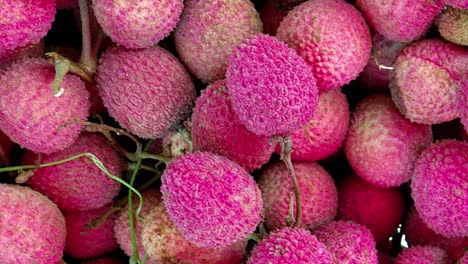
(290, 246)
(382, 145)
(439, 187)
(422, 255)
(333, 38)
(31, 115)
(137, 24)
(147, 91)
(462, 103)
(79, 184)
(379, 209)
(21, 53)
(32, 228)
(88, 242)
(212, 200)
(319, 195)
(216, 128)
(348, 242)
(453, 25)
(400, 20)
(209, 31)
(272, 89)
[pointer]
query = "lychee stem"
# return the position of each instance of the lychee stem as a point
(375, 56)
(86, 58)
(286, 149)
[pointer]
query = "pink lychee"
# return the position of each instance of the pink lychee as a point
(423, 255)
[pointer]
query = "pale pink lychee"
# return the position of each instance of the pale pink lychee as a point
(422, 255)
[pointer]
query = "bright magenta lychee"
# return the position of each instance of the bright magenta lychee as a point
(272, 89)
(24, 22)
(382, 145)
(83, 242)
(147, 91)
(423, 255)
(290, 246)
(439, 187)
(212, 200)
(79, 184)
(379, 209)
(325, 132)
(216, 128)
(402, 21)
(426, 78)
(137, 24)
(165, 244)
(319, 195)
(333, 38)
(31, 115)
(209, 31)
(32, 227)
(348, 242)
(462, 4)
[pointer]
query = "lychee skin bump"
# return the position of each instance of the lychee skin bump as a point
(272, 89)
(32, 116)
(32, 227)
(212, 200)
(439, 187)
(422, 254)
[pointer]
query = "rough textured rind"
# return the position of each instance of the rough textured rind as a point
(31, 51)
(348, 242)
(463, 4)
(440, 187)
(147, 91)
(290, 246)
(463, 259)
(319, 194)
(165, 244)
(272, 89)
(333, 38)
(426, 78)
(32, 227)
(216, 128)
(379, 209)
(137, 24)
(85, 242)
(208, 32)
(151, 198)
(325, 132)
(79, 184)
(67, 4)
(400, 20)
(212, 201)
(453, 25)
(423, 255)
(417, 233)
(24, 22)
(462, 103)
(31, 115)
(382, 145)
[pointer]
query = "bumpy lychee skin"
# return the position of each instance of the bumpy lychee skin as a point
(426, 78)
(67, 4)
(348, 242)
(79, 184)
(137, 24)
(290, 246)
(151, 198)
(462, 103)
(32, 227)
(463, 259)
(402, 21)
(216, 128)
(31, 51)
(332, 37)
(325, 132)
(382, 145)
(453, 25)
(423, 255)
(462, 4)
(209, 31)
(279, 93)
(24, 22)
(31, 115)
(212, 200)
(91, 242)
(165, 244)
(417, 233)
(439, 187)
(147, 91)
(379, 209)
(319, 195)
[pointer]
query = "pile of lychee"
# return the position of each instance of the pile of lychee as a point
(234, 131)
